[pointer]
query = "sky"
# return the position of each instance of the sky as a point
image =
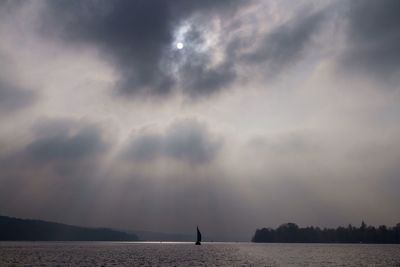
(266, 112)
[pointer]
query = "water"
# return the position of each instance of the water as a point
(187, 254)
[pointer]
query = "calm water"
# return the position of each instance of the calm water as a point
(187, 254)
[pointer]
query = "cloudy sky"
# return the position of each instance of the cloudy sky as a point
(273, 111)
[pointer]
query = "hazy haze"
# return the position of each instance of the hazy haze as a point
(273, 111)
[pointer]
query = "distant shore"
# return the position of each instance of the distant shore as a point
(14, 229)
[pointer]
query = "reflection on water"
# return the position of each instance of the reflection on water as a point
(187, 254)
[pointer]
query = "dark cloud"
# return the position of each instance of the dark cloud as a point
(185, 141)
(373, 38)
(136, 37)
(190, 140)
(286, 43)
(58, 143)
(54, 172)
(145, 147)
(13, 98)
(65, 140)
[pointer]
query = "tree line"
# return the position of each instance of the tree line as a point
(292, 233)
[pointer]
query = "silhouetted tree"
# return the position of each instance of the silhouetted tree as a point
(292, 233)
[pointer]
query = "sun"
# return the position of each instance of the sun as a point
(179, 45)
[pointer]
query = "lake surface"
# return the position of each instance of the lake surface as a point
(187, 254)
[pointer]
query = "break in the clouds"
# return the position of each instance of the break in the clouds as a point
(272, 111)
(137, 38)
(286, 43)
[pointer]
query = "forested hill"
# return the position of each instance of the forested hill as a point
(13, 229)
(291, 233)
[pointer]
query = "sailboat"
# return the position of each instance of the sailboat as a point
(198, 242)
